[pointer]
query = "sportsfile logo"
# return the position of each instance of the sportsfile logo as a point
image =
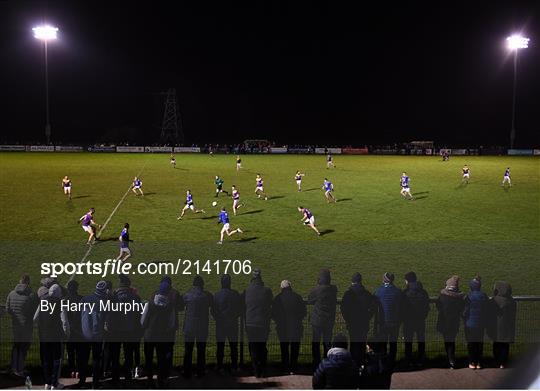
(113, 266)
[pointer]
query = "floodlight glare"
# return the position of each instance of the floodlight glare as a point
(517, 41)
(45, 33)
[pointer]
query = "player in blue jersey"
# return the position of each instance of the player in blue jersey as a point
(173, 161)
(89, 225)
(328, 188)
(308, 219)
(137, 185)
(236, 199)
(259, 189)
(298, 178)
(224, 219)
(329, 161)
(66, 185)
(405, 189)
(189, 205)
(466, 174)
(506, 178)
(124, 239)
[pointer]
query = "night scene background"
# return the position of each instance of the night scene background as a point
(292, 72)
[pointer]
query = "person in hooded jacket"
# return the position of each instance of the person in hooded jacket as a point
(288, 312)
(226, 311)
(257, 301)
(502, 323)
(450, 304)
(73, 345)
(21, 305)
(474, 317)
(415, 312)
(323, 315)
(357, 307)
(159, 323)
(198, 304)
(124, 330)
(338, 370)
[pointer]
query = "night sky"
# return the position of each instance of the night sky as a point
(293, 72)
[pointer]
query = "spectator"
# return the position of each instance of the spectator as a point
(338, 370)
(323, 315)
(357, 308)
(226, 311)
(288, 312)
(159, 324)
(21, 304)
(415, 313)
(73, 345)
(198, 303)
(474, 316)
(450, 306)
(502, 325)
(125, 330)
(257, 301)
(53, 329)
(377, 370)
(93, 328)
(389, 316)
(178, 305)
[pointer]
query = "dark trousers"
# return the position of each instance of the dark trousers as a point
(409, 331)
(129, 348)
(164, 352)
(257, 337)
(97, 361)
(224, 333)
(73, 350)
(450, 348)
(188, 357)
(389, 338)
(358, 345)
(324, 334)
(501, 352)
(475, 344)
(289, 358)
(51, 353)
(18, 356)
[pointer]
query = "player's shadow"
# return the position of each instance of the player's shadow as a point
(249, 239)
(81, 196)
(422, 192)
(344, 199)
(108, 239)
(276, 197)
(312, 189)
(147, 194)
(326, 231)
(420, 198)
(250, 212)
(209, 217)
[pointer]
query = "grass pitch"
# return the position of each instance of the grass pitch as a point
(448, 229)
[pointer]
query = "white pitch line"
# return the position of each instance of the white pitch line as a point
(98, 234)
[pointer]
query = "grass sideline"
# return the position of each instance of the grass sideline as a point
(448, 229)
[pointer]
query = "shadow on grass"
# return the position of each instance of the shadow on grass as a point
(81, 196)
(312, 189)
(276, 197)
(107, 239)
(209, 217)
(422, 192)
(250, 212)
(147, 194)
(249, 239)
(326, 231)
(344, 199)
(420, 198)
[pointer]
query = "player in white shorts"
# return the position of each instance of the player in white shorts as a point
(259, 189)
(189, 205)
(125, 252)
(308, 219)
(466, 174)
(173, 161)
(224, 219)
(405, 189)
(298, 178)
(238, 163)
(236, 199)
(506, 178)
(66, 185)
(329, 161)
(89, 225)
(137, 185)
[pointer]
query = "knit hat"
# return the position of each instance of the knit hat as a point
(47, 282)
(101, 288)
(55, 291)
(226, 281)
(25, 279)
(164, 288)
(340, 341)
(356, 278)
(388, 278)
(198, 281)
(42, 292)
(72, 287)
(324, 277)
(475, 285)
(285, 284)
(410, 277)
(167, 279)
(256, 273)
(452, 284)
(124, 280)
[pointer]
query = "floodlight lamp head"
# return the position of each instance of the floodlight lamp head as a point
(517, 41)
(45, 32)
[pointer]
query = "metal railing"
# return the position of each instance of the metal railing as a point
(527, 332)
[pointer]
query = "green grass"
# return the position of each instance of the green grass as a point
(449, 228)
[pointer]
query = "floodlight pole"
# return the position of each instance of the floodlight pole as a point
(47, 114)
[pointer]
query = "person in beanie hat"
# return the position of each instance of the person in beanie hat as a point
(357, 307)
(474, 316)
(414, 319)
(323, 315)
(389, 316)
(450, 304)
(502, 322)
(198, 304)
(288, 312)
(226, 311)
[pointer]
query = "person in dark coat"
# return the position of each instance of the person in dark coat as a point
(376, 373)
(338, 370)
(323, 315)
(125, 329)
(288, 312)
(474, 316)
(176, 300)
(502, 323)
(357, 307)
(198, 304)
(159, 324)
(390, 313)
(226, 311)
(257, 300)
(21, 305)
(450, 304)
(73, 345)
(415, 312)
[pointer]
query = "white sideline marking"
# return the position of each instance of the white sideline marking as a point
(98, 234)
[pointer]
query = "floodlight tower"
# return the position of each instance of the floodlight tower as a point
(171, 125)
(45, 34)
(514, 43)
